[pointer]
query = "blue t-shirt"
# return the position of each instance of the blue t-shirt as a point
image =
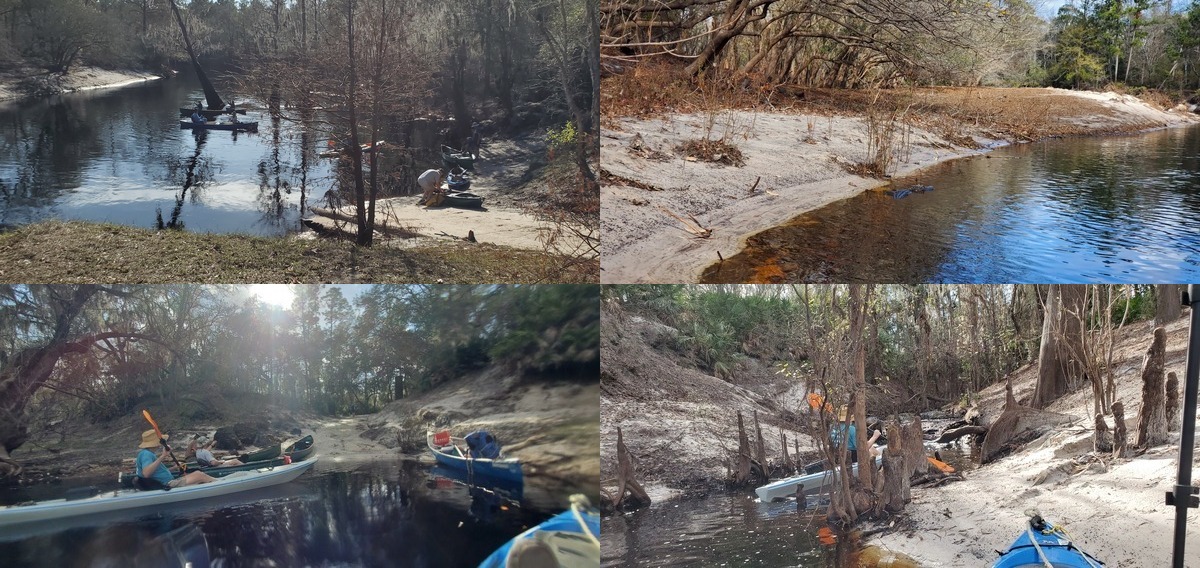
(147, 457)
(837, 433)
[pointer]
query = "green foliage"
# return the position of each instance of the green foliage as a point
(563, 137)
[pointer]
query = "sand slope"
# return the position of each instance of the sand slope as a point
(801, 158)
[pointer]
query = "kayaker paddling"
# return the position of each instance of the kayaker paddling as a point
(151, 472)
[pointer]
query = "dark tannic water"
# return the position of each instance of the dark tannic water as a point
(366, 513)
(1101, 209)
(118, 155)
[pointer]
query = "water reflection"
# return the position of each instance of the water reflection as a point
(1112, 209)
(120, 156)
(720, 530)
(386, 513)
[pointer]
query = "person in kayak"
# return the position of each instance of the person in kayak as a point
(154, 474)
(205, 458)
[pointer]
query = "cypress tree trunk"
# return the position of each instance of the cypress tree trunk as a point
(1152, 420)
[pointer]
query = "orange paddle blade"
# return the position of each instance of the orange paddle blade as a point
(941, 465)
(154, 424)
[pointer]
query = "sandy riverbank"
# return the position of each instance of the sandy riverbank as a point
(1114, 509)
(32, 83)
(802, 155)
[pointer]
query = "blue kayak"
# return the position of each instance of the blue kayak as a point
(1044, 539)
(572, 537)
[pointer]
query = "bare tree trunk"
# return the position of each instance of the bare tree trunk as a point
(860, 296)
(742, 475)
(210, 92)
(1120, 437)
(1152, 419)
(1062, 343)
(1173, 406)
(788, 466)
(365, 232)
(1168, 308)
(760, 450)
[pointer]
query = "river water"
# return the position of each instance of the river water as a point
(1113, 209)
(341, 513)
(118, 155)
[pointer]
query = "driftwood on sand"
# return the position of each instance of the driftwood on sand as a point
(1016, 422)
(956, 433)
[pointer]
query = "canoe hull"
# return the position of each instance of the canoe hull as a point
(1059, 551)
(240, 126)
(785, 488)
(126, 478)
(570, 535)
(300, 450)
(508, 469)
(133, 499)
(187, 112)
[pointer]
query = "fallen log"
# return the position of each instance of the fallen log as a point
(952, 435)
(380, 226)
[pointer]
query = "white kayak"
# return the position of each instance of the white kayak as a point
(786, 487)
(126, 499)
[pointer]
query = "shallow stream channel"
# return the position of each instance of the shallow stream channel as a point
(1113, 209)
(383, 512)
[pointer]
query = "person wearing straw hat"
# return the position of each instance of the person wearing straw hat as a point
(151, 472)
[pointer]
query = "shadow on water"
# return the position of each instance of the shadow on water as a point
(381, 513)
(120, 156)
(1110, 209)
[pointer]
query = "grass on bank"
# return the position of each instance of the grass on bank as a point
(657, 87)
(78, 252)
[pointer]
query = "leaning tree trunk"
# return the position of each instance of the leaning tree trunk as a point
(1152, 420)
(210, 92)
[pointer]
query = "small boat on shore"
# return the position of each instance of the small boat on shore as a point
(463, 199)
(237, 126)
(452, 452)
(299, 450)
(453, 158)
(127, 499)
(1044, 544)
(571, 537)
(786, 487)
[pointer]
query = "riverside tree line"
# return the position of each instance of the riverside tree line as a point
(356, 71)
(886, 350)
(103, 352)
(873, 43)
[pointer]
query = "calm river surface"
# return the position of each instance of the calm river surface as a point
(727, 529)
(118, 155)
(376, 513)
(1100, 209)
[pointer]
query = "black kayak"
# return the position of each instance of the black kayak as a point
(463, 199)
(240, 126)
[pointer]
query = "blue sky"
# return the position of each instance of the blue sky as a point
(1049, 8)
